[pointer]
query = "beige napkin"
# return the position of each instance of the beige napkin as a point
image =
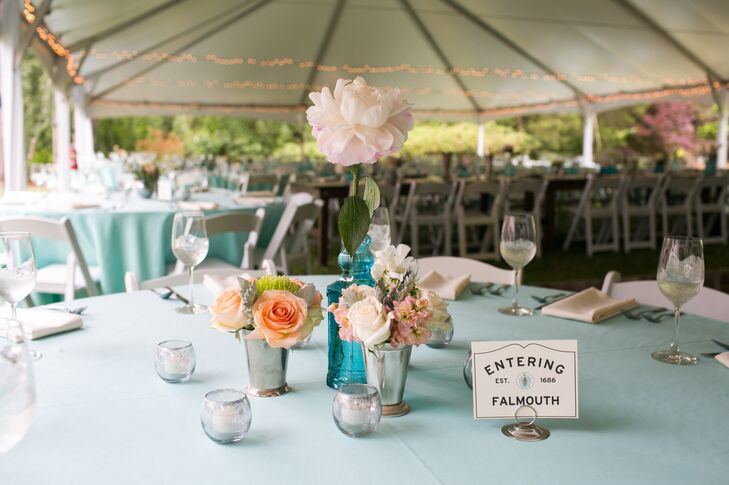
(201, 205)
(445, 286)
(83, 205)
(590, 305)
(41, 322)
(723, 358)
(250, 199)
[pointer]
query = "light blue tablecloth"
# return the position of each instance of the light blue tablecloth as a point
(104, 416)
(136, 237)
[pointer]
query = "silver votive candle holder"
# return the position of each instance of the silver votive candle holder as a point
(226, 415)
(357, 409)
(175, 360)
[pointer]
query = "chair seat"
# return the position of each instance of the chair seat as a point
(52, 278)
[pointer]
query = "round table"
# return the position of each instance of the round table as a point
(104, 415)
(119, 236)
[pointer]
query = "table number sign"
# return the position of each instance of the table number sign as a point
(533, 379)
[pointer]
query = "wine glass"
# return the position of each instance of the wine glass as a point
(190, 245)
(379, 230)
(680, 277)
(17, 387)
(518, 247)
(17, 271)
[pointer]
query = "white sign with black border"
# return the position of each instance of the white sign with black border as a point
(541, 374)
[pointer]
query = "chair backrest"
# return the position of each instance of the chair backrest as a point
(473, 191)
(709, 303)
(480, 272)
(712, 191)
(641, 190)
(299, 207)
(680, 189)
(251, 182)
(528, 185)
(132, 283)
(42, 228)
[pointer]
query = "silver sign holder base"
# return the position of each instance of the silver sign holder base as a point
(525, 430)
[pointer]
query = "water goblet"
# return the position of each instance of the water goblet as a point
(17, 386)
(17, 272)
(518, 247)
(379, 230)
(680, 277)
(226, 415)
(190, 245)
(357, 409)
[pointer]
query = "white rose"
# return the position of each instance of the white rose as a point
(370, 322)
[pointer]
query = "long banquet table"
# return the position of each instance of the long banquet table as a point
(135, 235)
(104, 416)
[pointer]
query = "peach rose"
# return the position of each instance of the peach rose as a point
(229, 312)
(281, 318)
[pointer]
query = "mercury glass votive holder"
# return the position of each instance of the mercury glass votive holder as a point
(175, 360)
(226, 415)
(440, 337)
(357, 409)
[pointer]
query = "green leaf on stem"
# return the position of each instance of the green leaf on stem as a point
(371, 195)
(354, 221)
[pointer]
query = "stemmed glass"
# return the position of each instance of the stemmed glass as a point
(17, 271)
(17, 386)
(379, 230)
(518, 247)
(680, 277)
(190, 245)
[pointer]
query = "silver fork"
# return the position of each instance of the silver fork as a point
(76, 311)
(640, 314)
(481, 289)
(498, 291)
(548, 298)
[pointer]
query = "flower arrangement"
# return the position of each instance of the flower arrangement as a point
(148, 173)
(358, 124)
(279, 309)
(396, 311)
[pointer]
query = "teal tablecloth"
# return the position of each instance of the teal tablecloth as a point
(104, 416)
(136, 237)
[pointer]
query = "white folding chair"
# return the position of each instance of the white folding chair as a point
(247, 222)
(638, 200)
(516, 201)
(58, 279)
(709, 303)
(480, 272)
(599, 203)
(677, 203)
(483, 226)
(710, 206)
(132, 283)
(289, 244)
(259, 183)
(430, 204)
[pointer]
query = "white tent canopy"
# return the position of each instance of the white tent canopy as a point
(454, 59)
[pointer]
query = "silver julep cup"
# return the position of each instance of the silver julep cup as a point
(387, 369)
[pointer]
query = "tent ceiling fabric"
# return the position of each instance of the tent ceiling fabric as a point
(257, 57)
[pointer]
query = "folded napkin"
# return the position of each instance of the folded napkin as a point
(41, 322)
(249, 199)
(259, 194)
(590, 305)
(198, 205)
(445, 286)
(723, 358)
(83, 205)
(217, 285)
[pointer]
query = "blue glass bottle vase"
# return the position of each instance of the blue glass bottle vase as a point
(346, 362)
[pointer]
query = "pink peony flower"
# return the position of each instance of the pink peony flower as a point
(359, 123)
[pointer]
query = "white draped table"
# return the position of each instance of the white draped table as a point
(104, 417)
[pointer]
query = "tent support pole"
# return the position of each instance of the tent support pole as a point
(83, 132)
(11, 95)
(587, 135)
(62, 138)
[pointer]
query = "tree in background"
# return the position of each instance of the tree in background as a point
(37, 94)
(667, 130)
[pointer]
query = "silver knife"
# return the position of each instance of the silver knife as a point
(721, 344)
